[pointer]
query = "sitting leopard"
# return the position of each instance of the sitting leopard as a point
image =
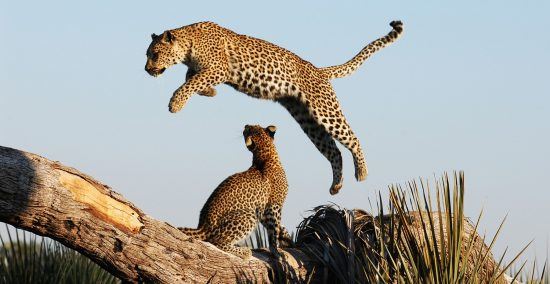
(263, 70)
(244, 199)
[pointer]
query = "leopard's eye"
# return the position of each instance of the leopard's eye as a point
(155, 56)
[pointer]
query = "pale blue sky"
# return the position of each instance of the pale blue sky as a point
(466, 87)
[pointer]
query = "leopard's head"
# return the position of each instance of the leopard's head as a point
(259, 140)
(164, 51)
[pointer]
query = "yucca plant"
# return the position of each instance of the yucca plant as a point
(27, 258)
(422, 238)
(435, 242)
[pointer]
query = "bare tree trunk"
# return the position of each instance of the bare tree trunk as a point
(60, 202)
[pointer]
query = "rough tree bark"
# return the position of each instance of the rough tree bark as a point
(50, 199)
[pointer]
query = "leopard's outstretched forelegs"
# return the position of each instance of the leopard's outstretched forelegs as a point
(208, 92)
(200, 82)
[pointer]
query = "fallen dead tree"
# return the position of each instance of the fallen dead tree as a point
(53, 200)
(56, 201)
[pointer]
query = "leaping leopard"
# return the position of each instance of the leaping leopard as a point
(260, 69)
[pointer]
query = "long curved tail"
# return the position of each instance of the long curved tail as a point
(349, 67)
(199, 233)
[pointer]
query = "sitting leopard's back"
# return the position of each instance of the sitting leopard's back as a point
(240, 191)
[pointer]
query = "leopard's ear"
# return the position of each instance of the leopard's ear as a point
(153, 36)
(271, 130)
(249, 143)
(168, 37)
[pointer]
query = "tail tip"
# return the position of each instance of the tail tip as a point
(397, 25)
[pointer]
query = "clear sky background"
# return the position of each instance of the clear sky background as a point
(466, 88)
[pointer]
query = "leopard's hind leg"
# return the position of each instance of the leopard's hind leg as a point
(319, 136)
(325, 110)
(231, 228)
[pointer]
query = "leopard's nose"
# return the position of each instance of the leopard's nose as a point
(148, 69)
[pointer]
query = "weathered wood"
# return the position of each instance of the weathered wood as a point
(59, 202)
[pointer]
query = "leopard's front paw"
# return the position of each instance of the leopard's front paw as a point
(286, 242)
(210, 92)
(173, 107)
(176, 104)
